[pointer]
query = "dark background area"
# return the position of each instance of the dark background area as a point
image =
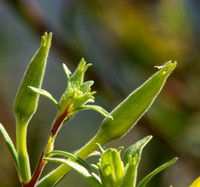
(123, 40)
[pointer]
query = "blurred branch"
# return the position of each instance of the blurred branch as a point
(31, 13)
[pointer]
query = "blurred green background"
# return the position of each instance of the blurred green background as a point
(123, 40)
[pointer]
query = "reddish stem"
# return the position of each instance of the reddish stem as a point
(41, 162)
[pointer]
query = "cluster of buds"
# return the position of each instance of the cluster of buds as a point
(112, 170)
(77, 94)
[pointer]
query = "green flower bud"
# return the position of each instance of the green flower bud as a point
(80, 71)
(111, 168)
(26, 100)
(78, 93)
(134, 106)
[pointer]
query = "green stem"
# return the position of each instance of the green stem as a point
(23, 158)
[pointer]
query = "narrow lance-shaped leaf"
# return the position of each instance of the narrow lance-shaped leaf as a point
(131, 161)
(135, 149)
(90, 177)
(71, 156)
(145, 181)
(67, 71)
(10, 146)
(44, 93)
(97, 108)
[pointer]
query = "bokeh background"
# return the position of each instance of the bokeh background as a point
(123, 40)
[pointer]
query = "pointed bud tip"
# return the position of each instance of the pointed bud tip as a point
(46, 39)
(167, 64)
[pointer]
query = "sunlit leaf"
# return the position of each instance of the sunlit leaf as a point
(135, 149)
(90, 177)
(131, 161)
(98, 109)
(71, 156)
(44, 93)
(144, 181)
(10, 145)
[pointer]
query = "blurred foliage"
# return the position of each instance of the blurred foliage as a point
(123, 40)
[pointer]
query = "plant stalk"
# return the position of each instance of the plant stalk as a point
(47, 148)
(57, 174)
(23, 158)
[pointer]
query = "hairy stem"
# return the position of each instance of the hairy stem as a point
(41, 163)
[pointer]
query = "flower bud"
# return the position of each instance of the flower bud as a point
(134, 106)
(26, 100)
(111, 168)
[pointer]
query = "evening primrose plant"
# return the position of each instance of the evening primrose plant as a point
(112, 170)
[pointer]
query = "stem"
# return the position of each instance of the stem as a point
(23, 158)
(37, 172)
(41, 163)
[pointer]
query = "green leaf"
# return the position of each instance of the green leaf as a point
(111, 168)
(67, 71)
(44, 93)
(98, 109)
(71, 156)
(130, 173)
(95, 153)
(131, 161)
(134, 106)
(10, 146)
(90, 177)
(135, 149)
(144, 181)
